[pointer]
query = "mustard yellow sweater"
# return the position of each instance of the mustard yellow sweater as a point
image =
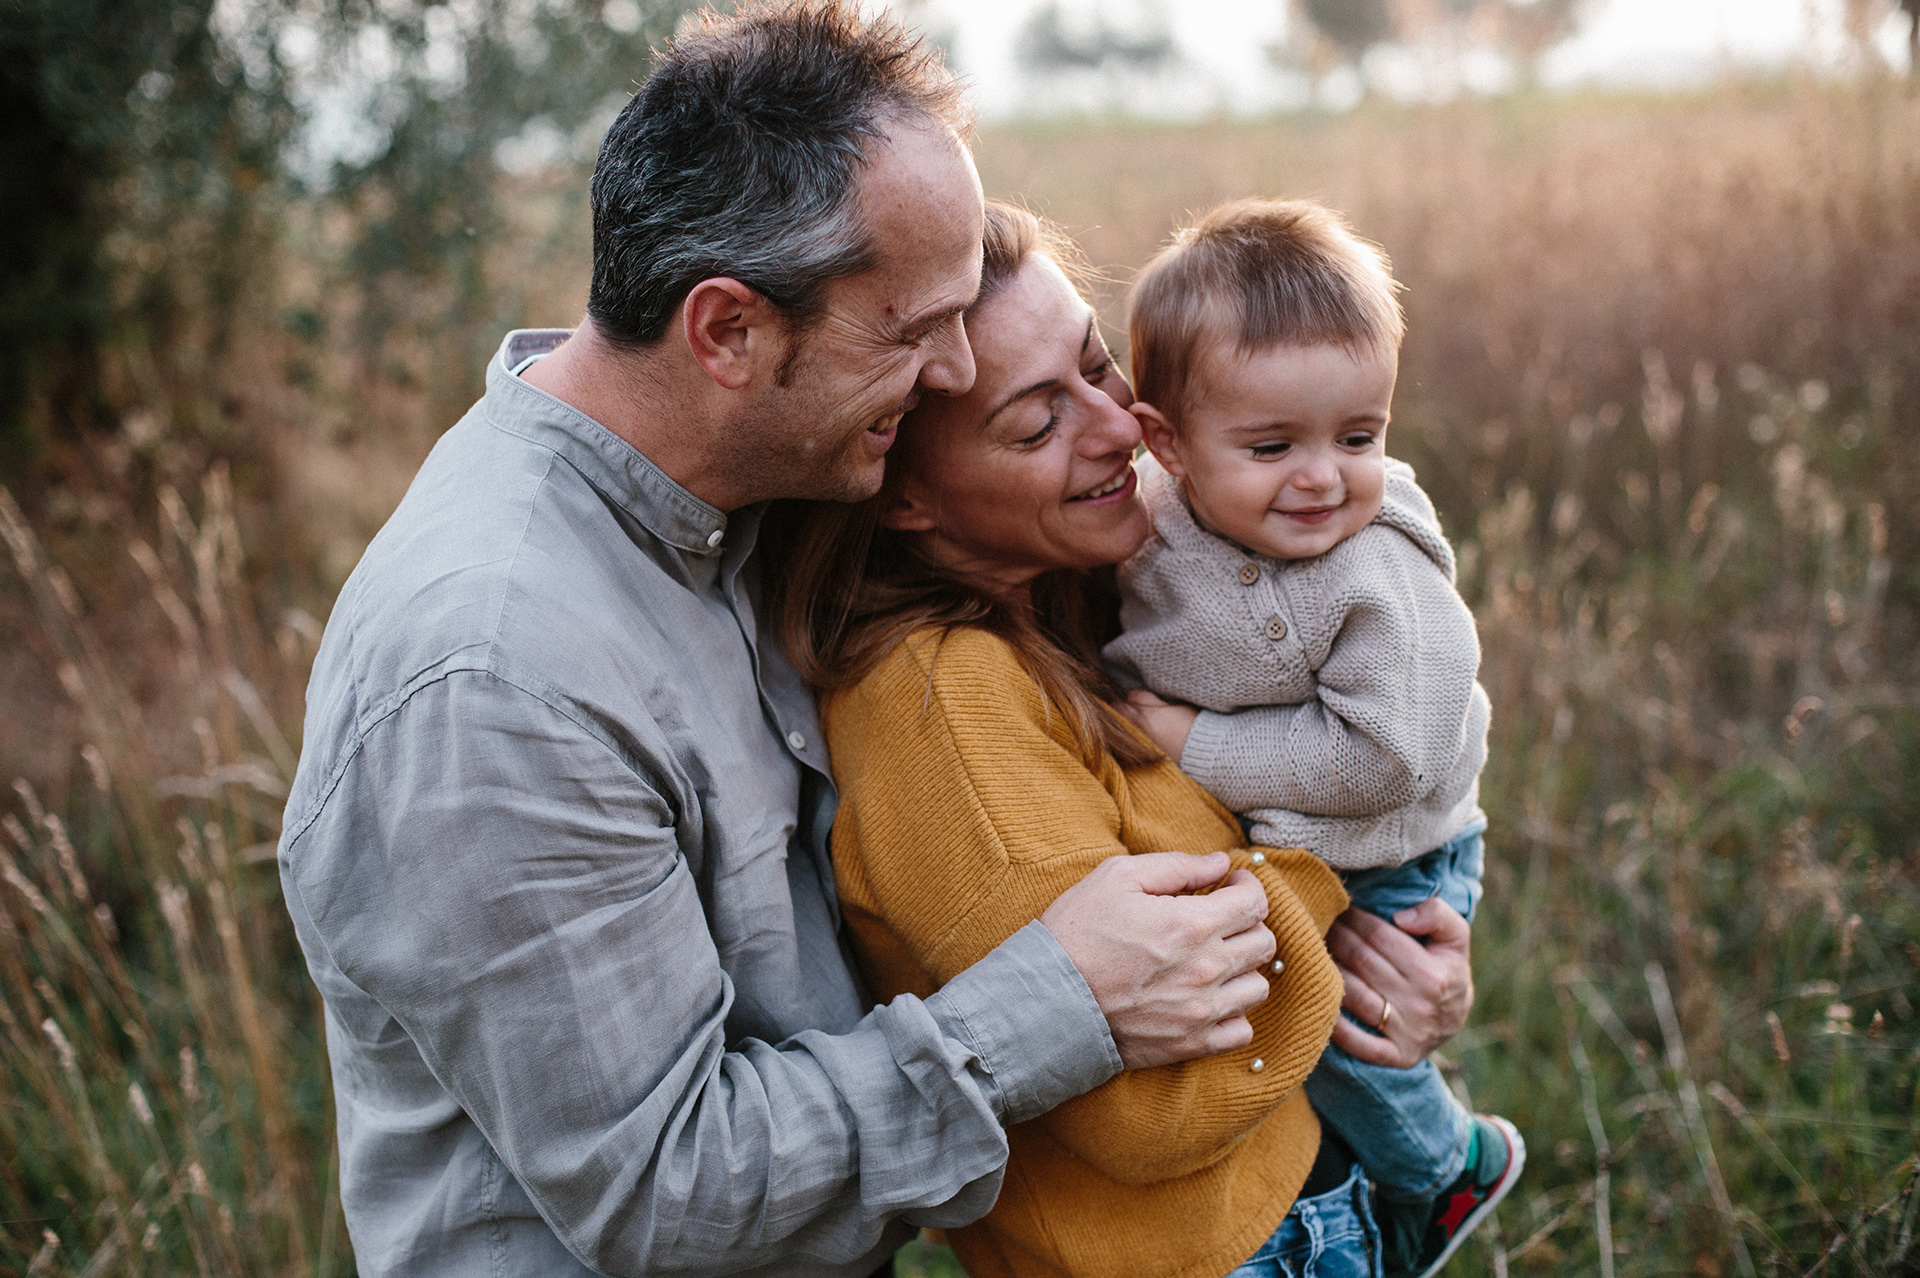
(965, 809)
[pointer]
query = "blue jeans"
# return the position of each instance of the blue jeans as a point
(1405, 1127)
(1331, 1235)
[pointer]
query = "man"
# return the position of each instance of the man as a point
(556, 849)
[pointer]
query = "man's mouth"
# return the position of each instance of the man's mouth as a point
(885, 426)
(1108, 489)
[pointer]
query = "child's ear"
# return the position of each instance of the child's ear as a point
(1163, 441)
(908, 510)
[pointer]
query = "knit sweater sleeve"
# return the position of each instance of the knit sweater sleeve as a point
(967, 808)
(1387, 719)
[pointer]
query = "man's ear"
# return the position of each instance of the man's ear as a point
(908, 510)
(732, 331)
(1163, 441)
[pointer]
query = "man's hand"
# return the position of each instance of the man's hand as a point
(1429, 985)
(1176, 975)
(1166, 722)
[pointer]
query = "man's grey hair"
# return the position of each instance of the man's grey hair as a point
(738, 158)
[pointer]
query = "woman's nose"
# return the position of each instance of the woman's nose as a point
(1110, 429)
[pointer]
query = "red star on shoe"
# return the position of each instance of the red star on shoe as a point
(1459, 1207)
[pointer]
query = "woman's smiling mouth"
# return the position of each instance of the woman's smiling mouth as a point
(1120, 485)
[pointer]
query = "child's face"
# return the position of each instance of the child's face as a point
(1283, 451)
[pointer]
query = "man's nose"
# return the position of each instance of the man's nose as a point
(949, 367)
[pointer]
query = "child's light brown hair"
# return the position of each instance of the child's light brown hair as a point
(1261, 273)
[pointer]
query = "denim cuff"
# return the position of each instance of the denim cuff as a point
(1029, 1017)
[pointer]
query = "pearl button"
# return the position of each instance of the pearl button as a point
(1276, 628)
(1258, 858)
(1249, 573)
(1279, 966)
(1257, 1065)
(797, 741)
(715, 537)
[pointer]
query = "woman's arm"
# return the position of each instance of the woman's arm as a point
(1430, 984)
(966, 808)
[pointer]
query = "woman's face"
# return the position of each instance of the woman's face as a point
(1032, 469)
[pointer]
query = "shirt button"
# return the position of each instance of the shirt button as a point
(797, 741)
(1279, 966)
(1259, 858)
(1249, 573)
(1258, 1065)
(1276, 628)
(715, 537)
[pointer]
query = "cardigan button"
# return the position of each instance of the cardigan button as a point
(1257, 1065)
(1249, 573)
(1258, 858)
(1279, 966)
(1276, 628)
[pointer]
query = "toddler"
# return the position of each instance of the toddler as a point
(1298, 592)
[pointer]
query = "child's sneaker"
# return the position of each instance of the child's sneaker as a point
(1495, 1155)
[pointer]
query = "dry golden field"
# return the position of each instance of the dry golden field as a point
(1662, 369)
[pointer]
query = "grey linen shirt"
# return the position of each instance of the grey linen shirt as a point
(556, 854)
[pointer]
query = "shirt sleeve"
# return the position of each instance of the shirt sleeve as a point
(1387, 720)
(970, 817)
(506, 883)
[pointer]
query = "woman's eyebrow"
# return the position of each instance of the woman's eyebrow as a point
(1049, 384)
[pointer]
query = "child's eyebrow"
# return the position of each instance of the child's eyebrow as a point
(1049, 384)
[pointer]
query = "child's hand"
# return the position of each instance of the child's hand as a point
(1164, 721)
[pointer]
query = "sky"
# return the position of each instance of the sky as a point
(1224, 42)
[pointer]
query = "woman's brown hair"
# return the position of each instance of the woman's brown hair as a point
(845, 590)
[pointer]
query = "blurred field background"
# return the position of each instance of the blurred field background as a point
(1662, 375)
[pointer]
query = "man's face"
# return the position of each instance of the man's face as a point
(888, 335)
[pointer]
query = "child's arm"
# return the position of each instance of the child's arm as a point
(1388, 721)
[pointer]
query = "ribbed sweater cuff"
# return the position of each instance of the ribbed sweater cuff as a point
(1028, 1015)
(1206, 748)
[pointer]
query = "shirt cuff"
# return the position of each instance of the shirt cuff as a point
(1029, 1017)
(1206, 747)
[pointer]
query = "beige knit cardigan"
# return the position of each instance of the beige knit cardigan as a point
(1340, 707)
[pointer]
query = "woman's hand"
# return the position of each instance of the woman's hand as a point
(1165, 722)
(1429, 986)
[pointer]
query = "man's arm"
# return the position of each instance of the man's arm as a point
(510, 890)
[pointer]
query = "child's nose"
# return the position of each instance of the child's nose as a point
(1316, 470)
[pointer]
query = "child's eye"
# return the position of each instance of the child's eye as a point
(1267, 452)
(1359, 439)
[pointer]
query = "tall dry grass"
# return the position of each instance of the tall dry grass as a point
(1661, 372)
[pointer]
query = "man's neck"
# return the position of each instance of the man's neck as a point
(633, 395)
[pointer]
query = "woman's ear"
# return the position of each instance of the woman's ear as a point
(731, 331)
(908, 510)
(1163, 441)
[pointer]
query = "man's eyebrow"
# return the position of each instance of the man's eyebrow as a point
(933, 319)
(1049, 384)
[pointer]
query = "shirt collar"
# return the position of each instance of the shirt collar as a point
(609, 463)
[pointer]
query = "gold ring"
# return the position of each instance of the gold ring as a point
(1386, 1014)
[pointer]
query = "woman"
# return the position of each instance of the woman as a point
(983, 767)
